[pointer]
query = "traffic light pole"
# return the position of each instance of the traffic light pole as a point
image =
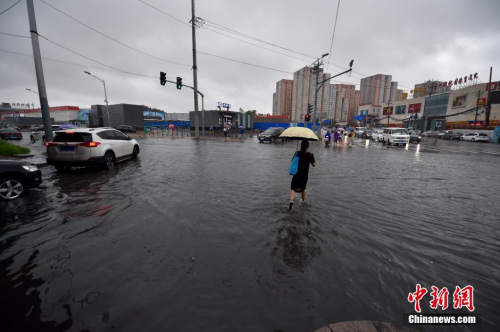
(318, 87)
(195, 71)
(202, 105)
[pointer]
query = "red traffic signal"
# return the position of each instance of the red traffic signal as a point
(307, 118)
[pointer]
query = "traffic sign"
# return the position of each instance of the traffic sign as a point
(438, 124)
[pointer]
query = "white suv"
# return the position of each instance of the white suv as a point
(395, 136)
(90, 146)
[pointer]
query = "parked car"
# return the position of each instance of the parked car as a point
(16, 177)
(475, 137)
(126, 129)
(395, 136)
(377, 135)
(271, 135)
(10, 133)
(367, 134)
(444, 132)
(39, 133)
(452, 135)
(414, 136)
(33, 127)
(429, 133)
(90, 147)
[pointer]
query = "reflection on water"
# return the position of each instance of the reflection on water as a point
(196, 236)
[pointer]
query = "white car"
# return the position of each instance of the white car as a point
(475, 137)
(39, 133)
(90, 146)
(395, 136)
(377, 135)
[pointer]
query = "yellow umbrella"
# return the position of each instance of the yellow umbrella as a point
(299, 133)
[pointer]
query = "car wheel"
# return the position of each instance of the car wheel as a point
(135, 152)
(109, 160)
(472, 140)
(10, 188)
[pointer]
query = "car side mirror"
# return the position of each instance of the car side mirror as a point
(129, 138)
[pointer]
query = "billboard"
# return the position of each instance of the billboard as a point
(153, 115)
(414, 108)
(459, 101)
(401, 109)
(388, 110)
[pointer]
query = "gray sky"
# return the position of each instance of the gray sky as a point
(411, 40)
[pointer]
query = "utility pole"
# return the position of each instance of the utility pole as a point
(477, 108)
(44, 103)
(195, 72)
(488, 107)
(388, 110)
(316, 70)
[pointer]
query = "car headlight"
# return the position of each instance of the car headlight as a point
(30, 168)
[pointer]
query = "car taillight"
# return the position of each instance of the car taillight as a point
(89, 144)
(50, 144)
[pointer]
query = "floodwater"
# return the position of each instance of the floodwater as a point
(196, 236)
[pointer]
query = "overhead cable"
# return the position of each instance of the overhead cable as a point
(111, 38)
(10, 7)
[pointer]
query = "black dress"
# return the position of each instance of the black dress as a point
(299, 180)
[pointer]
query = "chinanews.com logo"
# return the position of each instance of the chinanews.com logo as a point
(463, 298)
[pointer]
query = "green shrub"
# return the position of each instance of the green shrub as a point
(8, 149)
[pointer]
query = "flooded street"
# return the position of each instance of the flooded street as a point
(196, 236)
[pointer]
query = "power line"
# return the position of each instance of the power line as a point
(8, 34)
(218, 26)
(245, 63)
(161, 11)
(83, 56)
(333, 35)
(254, 44)
(117, 41)
(10, 7)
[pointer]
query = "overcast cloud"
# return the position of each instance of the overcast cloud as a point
(411, 40)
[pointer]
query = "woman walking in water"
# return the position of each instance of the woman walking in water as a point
(299, 180)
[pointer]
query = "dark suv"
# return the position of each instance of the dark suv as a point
(271, 135)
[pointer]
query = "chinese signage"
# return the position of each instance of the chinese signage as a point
(414, 108)
(481, 101)
(462, 297)
(387, 110)
(494, 86)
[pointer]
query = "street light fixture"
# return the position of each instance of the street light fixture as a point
(32, 91)
(105, 95)
(318, 85)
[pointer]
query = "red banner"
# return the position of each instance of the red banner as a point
(414, 108)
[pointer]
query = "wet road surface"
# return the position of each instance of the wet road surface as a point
(196, 236)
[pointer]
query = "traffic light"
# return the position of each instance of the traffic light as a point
(307, 118)
(179, 82)
(163, 78)
(309, 108)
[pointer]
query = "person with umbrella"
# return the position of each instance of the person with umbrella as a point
(299, 180)
(242, 131)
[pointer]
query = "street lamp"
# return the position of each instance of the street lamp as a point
(317, 87)
(105, 95)
(32, 91)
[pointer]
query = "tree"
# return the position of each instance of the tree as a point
(253, 112)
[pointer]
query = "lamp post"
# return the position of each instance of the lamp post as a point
(317, 87)
(33, 92)
(316, 69)
(105, 95)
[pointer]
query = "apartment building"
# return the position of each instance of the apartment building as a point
(375, 90)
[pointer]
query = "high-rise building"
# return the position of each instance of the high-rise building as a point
(375, 89)
(282, 98)
(301, 91)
